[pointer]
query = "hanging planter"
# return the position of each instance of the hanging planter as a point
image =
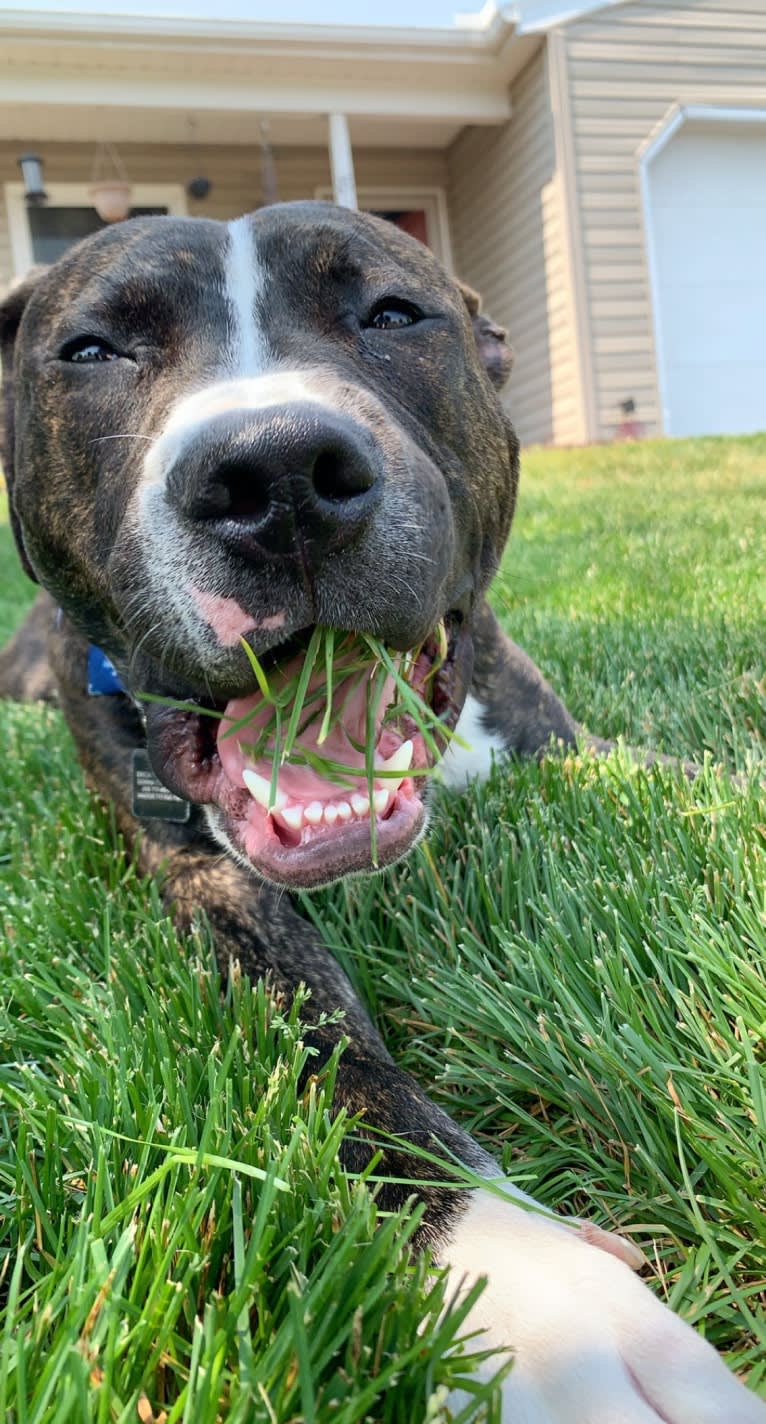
(111, 200)
(111, 194)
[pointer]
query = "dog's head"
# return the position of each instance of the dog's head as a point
(224, 432)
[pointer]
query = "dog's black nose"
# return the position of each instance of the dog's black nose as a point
(288, 479)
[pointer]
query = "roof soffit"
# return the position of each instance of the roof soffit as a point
(453, 76)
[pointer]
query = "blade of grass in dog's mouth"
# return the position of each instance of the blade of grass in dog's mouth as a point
(329, 716)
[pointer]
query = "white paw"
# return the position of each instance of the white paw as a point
(591, 1344)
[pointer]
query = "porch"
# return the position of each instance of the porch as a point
(447, 132)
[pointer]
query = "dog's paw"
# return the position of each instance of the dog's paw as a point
(591, 1344)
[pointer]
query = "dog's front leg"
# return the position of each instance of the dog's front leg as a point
(592, 1345)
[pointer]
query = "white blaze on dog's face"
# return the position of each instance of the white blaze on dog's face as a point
(246, 288)
(275, 424)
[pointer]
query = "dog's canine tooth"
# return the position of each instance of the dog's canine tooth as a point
(260, 790)
(380, 800)
(400, 760)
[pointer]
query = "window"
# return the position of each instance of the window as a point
(43, 234)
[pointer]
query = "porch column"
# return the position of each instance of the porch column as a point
(342, 162)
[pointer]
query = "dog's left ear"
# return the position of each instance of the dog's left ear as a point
(11, 311)
(495, 354)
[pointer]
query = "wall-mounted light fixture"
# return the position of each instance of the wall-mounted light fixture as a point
(198, 187)
(32, 172)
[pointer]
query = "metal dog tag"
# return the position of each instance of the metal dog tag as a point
(151, 800)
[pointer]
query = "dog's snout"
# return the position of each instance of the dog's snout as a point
(277, 480)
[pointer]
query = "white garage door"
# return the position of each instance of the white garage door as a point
(707, 213)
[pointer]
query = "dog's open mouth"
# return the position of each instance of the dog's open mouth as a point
(338, 788)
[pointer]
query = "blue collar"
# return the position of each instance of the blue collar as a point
(103, 677)
(151, 800)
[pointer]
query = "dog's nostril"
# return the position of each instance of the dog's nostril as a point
(243, 494)
(337, 474)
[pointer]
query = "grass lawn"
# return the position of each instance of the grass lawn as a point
(576, 962)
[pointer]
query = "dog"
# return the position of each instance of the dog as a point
(224, 432)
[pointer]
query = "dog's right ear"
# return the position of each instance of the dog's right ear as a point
(11, 311)
(495, 354)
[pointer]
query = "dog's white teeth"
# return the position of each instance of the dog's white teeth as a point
(260, 790)
(400, 760)
(297, 817)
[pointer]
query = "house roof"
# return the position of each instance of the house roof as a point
(141, 67)
(77, 73)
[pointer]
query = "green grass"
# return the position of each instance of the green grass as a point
(576, 962)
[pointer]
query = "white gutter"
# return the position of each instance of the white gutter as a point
(486, 36)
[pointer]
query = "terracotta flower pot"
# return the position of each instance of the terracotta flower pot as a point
(111, 199)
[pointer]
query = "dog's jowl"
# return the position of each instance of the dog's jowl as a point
(220, 433)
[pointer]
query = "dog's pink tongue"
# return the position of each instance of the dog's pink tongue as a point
(302, 783)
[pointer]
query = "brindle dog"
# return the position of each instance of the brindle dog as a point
(217, 432)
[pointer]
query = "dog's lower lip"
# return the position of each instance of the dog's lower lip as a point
(330, 856)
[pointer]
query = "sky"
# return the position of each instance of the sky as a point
(338, 12)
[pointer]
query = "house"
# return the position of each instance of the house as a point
(596, 170)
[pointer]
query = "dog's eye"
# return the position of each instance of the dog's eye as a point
(391, 314)
(88, 348)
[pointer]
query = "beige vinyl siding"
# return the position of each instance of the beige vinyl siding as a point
(235, 173)
(626, 67)
(506, 207)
